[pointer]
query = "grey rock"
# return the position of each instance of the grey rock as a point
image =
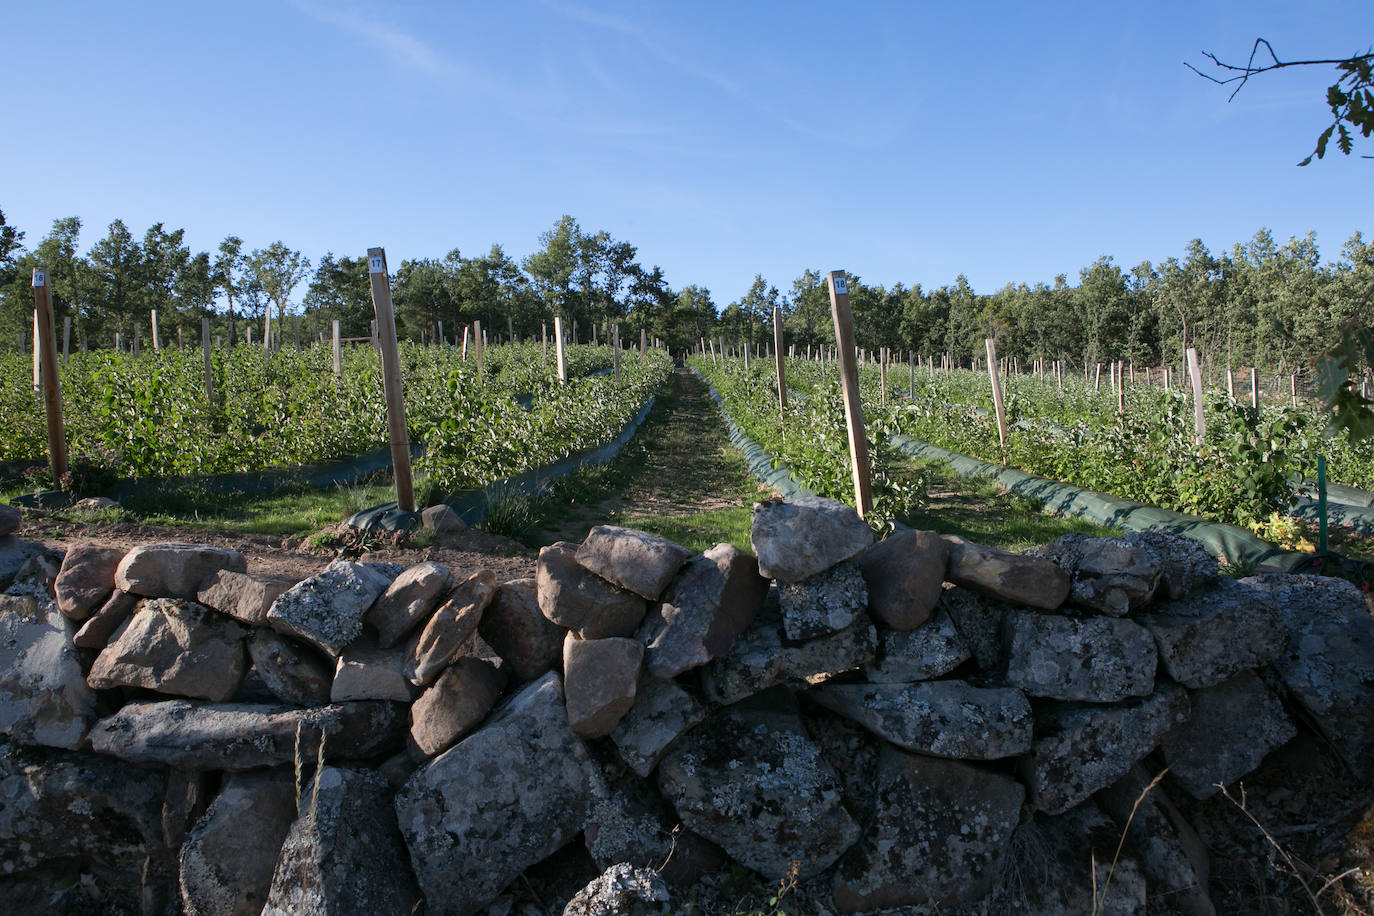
(441, 519)
(241, 736)
(600, 677)
(751, 780)
(1080, 749)
(905, 573)
(1110, 575)
(504, 798)
(514, 626)
(940, 718)
(629, 824)
(454, 705)
(801, 537)
(85, 579)
(343, 855)
(9, 519)
(979, 624)
(1232, 727)
(450, 627)
(408, 600)
(662, 713)
(44, 698)
(177, 647)
(1027, 580)
(293, 672)
(636, 560)
(1096, 659)
(241, 595)
(709, 606)
(366, 672)
(227, 861)
(931, 650)
(96, 632)
(1216, 632)
(576, 598)
(95, 504)
(1185, 565)
(173, 570)
(621, 890)
(327, 609)
(14, 555)
(824, 603)
(937, 835)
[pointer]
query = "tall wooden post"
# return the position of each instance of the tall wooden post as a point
(337, 347)
(643, 341)
(544, 336)
(391, 377)
(157, 334)
(66, 338)
(205, 349)
(477, 340)
(849, 383)
(37, 352)
(1254, 388)
(558, 349)
(997, 404)
(777, 356)
(267, 329)
(1195, 376)
(45, 344)
(615, 350)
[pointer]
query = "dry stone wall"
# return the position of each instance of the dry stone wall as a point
(880, 721)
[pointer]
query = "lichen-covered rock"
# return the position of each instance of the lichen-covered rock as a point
(1095, 659)
(931, 650)
(621, 890)
(1027, 580)
(940, 718)
(827, 602)
(978, 621)
(1232, 727)
(454, 705)
(293, 672)
(44, 698)
(662, 713)
(1079, 749)
(173, 570)
(327, 609)
(574, 597)
(514, 626)
(905, 573)
(504, 798)
(96, 632)
(366, 672)
(15, 554)
(343, 855)
(708, 607)
(229, 856)
(1110, 575)
(1216, 632)
(937, 834)
(242, 736)
(800, 537)
(636, 560)
(599, 681)
(450, 627)
(408, 600)
(1185, 565)
(85, 579)
(175, 646)
(241, 595)
(752, 781)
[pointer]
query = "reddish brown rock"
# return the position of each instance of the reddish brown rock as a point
(519, 632)
(452, 625)
(85, 579)
(599, 679)
(408, 601)
(173, 570)
(572, 596)
(905, 573)
(175, 646)
(641, 562)
(95, 633)
(292, 671)
(1010, 576)
(454, 705)
(242, 596)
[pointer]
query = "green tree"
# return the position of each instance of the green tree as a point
(114, 283)
(808, 321)
(229, 264)
(342, 291)
(277, 269)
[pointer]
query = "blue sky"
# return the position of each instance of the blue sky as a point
(901, 141)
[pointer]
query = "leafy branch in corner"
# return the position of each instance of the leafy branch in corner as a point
(1351, 99)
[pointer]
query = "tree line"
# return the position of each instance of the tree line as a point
(1262, 303)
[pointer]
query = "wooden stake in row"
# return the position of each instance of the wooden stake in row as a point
(391, 377)
(849, 383)
(45, 345)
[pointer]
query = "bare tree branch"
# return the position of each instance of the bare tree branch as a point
(1244, 73)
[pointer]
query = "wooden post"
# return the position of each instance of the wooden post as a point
(45, 344)
(849, 382)
(882, 375)
(615, 350)
(558, 349)
(391, 377)
(911, 365)
(1120, 389)
(510, 328)
(544, 335)
(997, 403)
(466, 329)
(205, 349)
(337, 346)
(1254, 388)
(267, 329)
(1293, 387)
(157, 336)
(777, 355)
(1230, 384)
(138, 339)
(37, 350)
(478, 338)
(442, 339)
(1195, 376)
(66, 338)
(643, 342)
(713, 352)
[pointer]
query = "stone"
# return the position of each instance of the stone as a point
(9, 519)
(937, 835)
(1328, 666)
(662, 713)
(798, 538)
(441, 519)
(175, 646)
(293, 672)
(241, 595)
(621, 890)
(1216, 632)
(905, 574)
(573, 597)
(15, 554)
(327, 609)
(761, 659)
(514, 626)
(454, 705)
(1110, 575)
(1232, 727)
(36, 577)
(173, 570)
(95, 504)
(978, 622)
(408, 600)
(242, 736)
(824, 603)
(932, 650)
(343, 855)
(504, 798)
(630, 824)
(753, 782)
(600, 677)
(44, 698)
(86, 579)
(635, 560)
(449, 627)
(940, 718)
(227, 861)
(1096, 659)
(709, 606)
(95, 633)
(1185, 565)
(366, 672)
(1013, 577)
(1079, 749)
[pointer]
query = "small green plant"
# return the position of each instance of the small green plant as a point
(513, 512)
